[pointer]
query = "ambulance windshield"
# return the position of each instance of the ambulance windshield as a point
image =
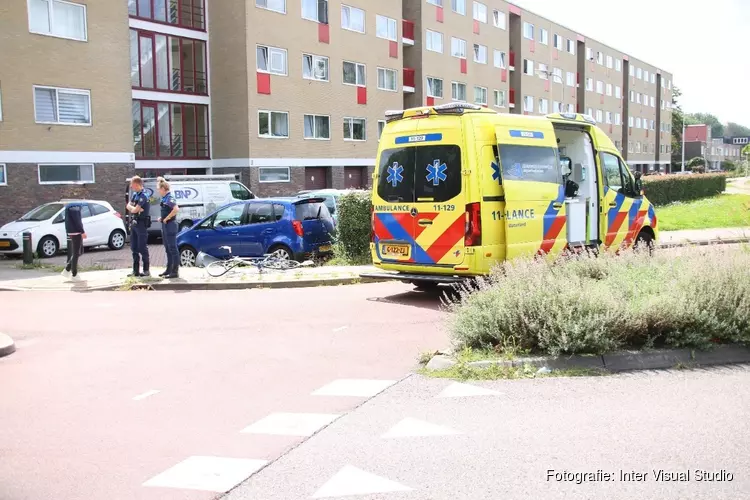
(420, 173)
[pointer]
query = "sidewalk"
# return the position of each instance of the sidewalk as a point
(703, 236)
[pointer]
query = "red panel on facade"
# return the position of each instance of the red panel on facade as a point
(408, 29)
(573, 92)
(476, 27)
(546, 85)
(408, 77)
(610, 128)
(555, 54)
(464, 68)
(532, 45)
(512, 96)
(439, 14)
(430, 101)
(503, 75)
(361, 95)
(393, 49)
(601, 99)
(264, 83)
(324, 33)
(513, 9)
(581, 38)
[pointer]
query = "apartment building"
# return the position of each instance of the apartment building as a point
(699, 143)
(287, 95)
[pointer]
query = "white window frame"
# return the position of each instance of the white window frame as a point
(455, 4)
(57, 90)
(528, 31)
(1, 104)
(356, 74)
(497, 15)
(610, 62)
(41, 182)
(495, 96)
(618, 119)
(476, 57)
(608, 89)
(461, 42)
(51, 19)
(270, 113)
(618, 92)
(364, 18)
(288, 174)
(526, 100)
(570, 79)
(571, 46)
(639, 73)
(543, 71)
(558, 41)
(645, 76)
(313, 138)
(589, 84)
(456, 85)
(486, 95)
(557, 107)
(4, 169)
(381, 127)
(270, 49)
(429, 37)
(608, 117)
(314, 57)
(476, 10)
(395, 79)
(599, 116)
(439, 3)
(653, 78)
(317, 12)
(543, 36)
(350, 121)
(653, 101)
(631, 121)
(503, 57)
(269, 8)
(546, 106)
(429, 90)
(600, 58)
(528, 67)
(388, 20)
(589, 54)
(618, 64)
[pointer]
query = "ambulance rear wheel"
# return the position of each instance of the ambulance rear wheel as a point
(644, 243)
(425, 286)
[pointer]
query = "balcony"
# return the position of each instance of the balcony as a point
(407, 28)
(512, 60)
(512, 98)
(409, 80)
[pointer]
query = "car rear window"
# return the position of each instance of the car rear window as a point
(420, 173)
(530, 163)
(311, 211)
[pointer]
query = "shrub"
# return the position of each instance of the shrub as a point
(595, 305)
(728, 165)
(662, 190)
(353, 228)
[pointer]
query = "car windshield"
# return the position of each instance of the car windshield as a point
(42, 213)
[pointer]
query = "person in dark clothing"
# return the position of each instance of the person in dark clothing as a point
(139, 207)
(76, 235)
(168, 221)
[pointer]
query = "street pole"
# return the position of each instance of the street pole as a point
(683, 142)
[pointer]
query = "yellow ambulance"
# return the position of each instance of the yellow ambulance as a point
(458, 188)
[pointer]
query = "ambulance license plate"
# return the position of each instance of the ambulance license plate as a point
(398, 251)
(4, 244)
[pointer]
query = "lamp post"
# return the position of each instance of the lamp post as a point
(682, 168)
(547, 74)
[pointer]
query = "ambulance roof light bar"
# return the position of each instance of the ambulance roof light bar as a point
(574, 117)
(457, 106)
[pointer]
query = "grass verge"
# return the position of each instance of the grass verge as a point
(726, 210)
(462, 371)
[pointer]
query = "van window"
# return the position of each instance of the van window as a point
(311, 211)
(420, 173)
(530, 163)
(240, 192)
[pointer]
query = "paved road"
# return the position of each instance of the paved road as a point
(79, 418)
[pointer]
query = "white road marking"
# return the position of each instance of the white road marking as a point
(459, 390)
(291, 424)
(412, 427)
(359, 388)
(340, 328)
(217, 474)
(145, 395)
(351, 481)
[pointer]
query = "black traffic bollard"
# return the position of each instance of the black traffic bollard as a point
(28, 253)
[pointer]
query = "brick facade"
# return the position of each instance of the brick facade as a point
(24, 192)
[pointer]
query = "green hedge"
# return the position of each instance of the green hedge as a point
(353, 228)
(661, 190)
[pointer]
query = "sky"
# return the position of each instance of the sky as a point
(706, 46)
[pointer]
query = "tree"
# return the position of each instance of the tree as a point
(677, 119)
(728, 166)
(735, 129)
(697, 165)
(717, 128)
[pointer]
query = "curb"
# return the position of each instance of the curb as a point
(7, 346)
(703, 243)
(615, 362)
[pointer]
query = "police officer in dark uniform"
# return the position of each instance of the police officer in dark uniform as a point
(169, 231)
(139, 208)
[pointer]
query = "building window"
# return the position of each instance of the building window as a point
(274, 174)
(609, 89)
(589, 54)
(632, 96)
(480, 54)
(62, 106)
(638, 97)
(631, 121)
(439, 3)
(528, 31)
(557, 40)
(458, 47)
(317, 127)
(385, 27)
(618, 92)
(543, 72)
(528, 104)
(274, 5)
(168, 63)
(354, 74)
(645, 76)
(170, 130)
(273, 124)
(571, 108)
(315, 10)
(590, 84)
(3, 175)
(480, 95)
(498, 19)
(543, 106)
(434, 41)
(459, 6)
(355, 129)
(183, 13)
(352, 19)
(315, 67)
(638, 147)
(480, 12)
(543, 36)
(271, 60)
(499, 98)
(653, 101)
(387, 79)
(632, 70)
(618, 120)
(557, 107)
(653, 78)
(608, 117)
(458, 91)
(638, 122)
(630, 147)
(1, 104)
(571, 46)
(58, 18)
(600, 58)
(557, 74)
(618, 64)
(570, 79)
(434, 87)
(599, 118)
(528, 67)
(610, 62)
(381, 126)
(499, 59)
(66, 174)
(639, 73)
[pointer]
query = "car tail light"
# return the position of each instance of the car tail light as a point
(298, 228)
(118, 215)
(473, 228)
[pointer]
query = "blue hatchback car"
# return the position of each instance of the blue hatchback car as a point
(289, 228)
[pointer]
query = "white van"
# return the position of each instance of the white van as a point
(197, 196)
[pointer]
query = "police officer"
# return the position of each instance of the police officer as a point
(168, 221)
(139, 207)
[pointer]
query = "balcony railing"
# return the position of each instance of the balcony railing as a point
(512, 59)
(512, 98)
(408, 32)
(409, 79)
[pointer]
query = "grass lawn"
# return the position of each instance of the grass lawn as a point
(726, 210)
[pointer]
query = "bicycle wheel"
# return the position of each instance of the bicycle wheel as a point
(219, 268)
(280, 264)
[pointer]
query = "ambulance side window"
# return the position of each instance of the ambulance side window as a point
(530, 163)
(616, 175)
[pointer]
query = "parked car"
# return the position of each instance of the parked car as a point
(290, 228)
(331, 197)
(46, 223)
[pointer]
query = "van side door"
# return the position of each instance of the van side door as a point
(622, 212)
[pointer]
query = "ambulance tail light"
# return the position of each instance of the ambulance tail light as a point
(473, 227)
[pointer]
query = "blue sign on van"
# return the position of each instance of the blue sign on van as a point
(525, 134)
(408, 139)
(186, 193)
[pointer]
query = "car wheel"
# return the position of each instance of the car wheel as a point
(48, 247)
(117, 239)
(186, 224)
(644, 243)
(282, 253)
(187, 256)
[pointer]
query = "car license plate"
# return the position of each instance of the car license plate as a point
(324, 248)
(398, 251)
(4, 244)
